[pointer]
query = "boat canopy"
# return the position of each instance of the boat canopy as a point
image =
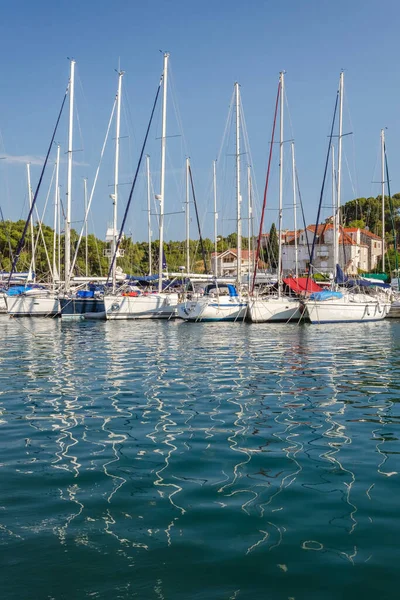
(343, 279)
(227, 289)
(326, 295)
(302, 284)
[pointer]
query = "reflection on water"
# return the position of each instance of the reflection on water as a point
(169, 460)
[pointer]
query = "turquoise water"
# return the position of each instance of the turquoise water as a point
(168, 460)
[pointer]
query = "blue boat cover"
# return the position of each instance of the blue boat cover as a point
(325, 295)
(343, 279)
(85, 294)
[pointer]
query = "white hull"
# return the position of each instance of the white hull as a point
(3, 303)
(150, 306)
(33, 306)
(350, 308)
(210, 309)
(274, 310)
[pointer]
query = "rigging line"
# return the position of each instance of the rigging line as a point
(391, 215)
(22, 239)
(40, 221)
(198, 221)
(93, 188)
(227, 126)
(302, 211)
(266, 188)
(7, 233)
(322, 191)
(134, 181)
(171, 85)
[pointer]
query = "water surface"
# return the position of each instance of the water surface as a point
(167, 460)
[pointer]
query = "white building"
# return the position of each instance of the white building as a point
(359, 250)
(226, 262)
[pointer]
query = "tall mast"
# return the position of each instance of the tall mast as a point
(59, 231)
(56, 214)
(67, 265)
(187, 218)
(296, 247)
(162, 174)
(85, 198)
(215, 218)
(149, 208)
(383, 197)
(238, 194)
(33, 262)
(249, 207)
(339, 167)
(282, 83)
(116, 181)
(335, 215)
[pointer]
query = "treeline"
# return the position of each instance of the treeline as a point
(361, 212)
(134, 261)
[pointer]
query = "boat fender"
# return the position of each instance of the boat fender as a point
(367, 310)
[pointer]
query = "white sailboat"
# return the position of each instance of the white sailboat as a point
(354, 305)
(37, 301)
(159, 305)
(222, 302)
(277, 307)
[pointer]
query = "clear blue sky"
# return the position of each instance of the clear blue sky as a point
(212, 45)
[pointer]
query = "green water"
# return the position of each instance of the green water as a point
(159, 460)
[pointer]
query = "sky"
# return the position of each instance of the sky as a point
(212, 45)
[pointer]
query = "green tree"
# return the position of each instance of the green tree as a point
(273, 247)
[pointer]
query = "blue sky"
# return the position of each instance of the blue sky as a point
(212, 45)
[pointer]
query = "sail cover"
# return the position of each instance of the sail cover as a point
(299, 285)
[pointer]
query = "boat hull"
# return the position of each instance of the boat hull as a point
(81, 308)
(211, 310)
(345, 311)
(33, 306)
(274, 310)
(151, 306)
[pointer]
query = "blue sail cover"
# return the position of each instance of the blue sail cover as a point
(343, 279)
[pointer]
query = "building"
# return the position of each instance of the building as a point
(224, 264)
(359, 249)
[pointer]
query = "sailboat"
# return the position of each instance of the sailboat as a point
(160, 305)
(88, 303)
(276, 307)
(342, 304)
(223, 301)
(40, 301)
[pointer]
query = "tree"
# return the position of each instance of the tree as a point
(273, 247)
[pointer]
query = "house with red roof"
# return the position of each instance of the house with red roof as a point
(359, 249)
(224, 264)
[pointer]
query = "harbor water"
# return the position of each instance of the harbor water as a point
(214, 461)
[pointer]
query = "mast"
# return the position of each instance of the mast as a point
(86, 225)
(249, 206)
(335, 215)
(238, 194)
(59, 231)
(383, 196)
(162, 174)
(187, 218)
(282, 79)
(33, 262)
(215, 218)
(116, 181)
(296, 247)
(148, 208)
(339, 168)
(56, 216)
(67, 264)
